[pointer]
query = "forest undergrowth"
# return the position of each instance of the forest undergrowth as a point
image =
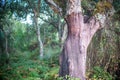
(28, 66)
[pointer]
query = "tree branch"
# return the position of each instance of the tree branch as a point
(50, 23)
(54, 6)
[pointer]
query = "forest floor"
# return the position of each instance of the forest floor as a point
(28, 66)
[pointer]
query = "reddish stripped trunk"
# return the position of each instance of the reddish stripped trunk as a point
(73, 57)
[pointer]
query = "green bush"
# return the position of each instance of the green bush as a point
(99, 74)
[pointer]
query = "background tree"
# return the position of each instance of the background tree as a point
(4, 34)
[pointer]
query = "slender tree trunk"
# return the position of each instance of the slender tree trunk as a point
(40, 41)
(73, 56)
(36, 11)
(59, 28)
(6, 49)
(38, 36)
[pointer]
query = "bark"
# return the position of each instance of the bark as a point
(59, 28)
(73, 56)
(38, 35)
(54, 6)
(74, 52)
(64, 35)
(40, 42)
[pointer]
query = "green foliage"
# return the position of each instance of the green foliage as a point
(99, 74)
(102, 7)
(22, 67)
(116, 4)
(19, 35)
(88, 7)
(104, 51)
(71, 78)
(92, 7)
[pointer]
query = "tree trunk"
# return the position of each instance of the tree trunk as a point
(6, 49)
(59, 28)
(73, 57)
(40, 44)
(80, 33)
(36, 11)
(40, 41)
(64, 35)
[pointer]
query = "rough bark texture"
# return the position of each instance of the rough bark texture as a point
(73, 57)
(40, 42)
